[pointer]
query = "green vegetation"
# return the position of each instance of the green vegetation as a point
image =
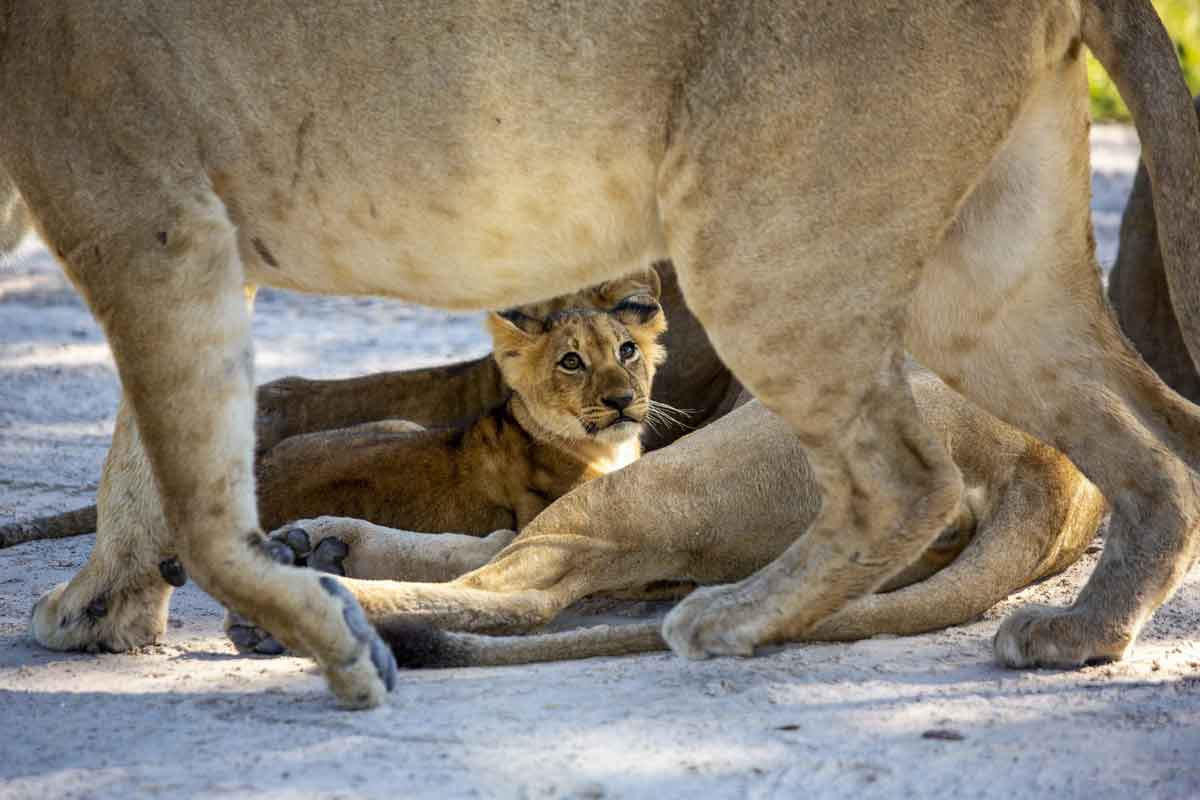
(1182, 18)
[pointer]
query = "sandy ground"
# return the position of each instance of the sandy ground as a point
(892, 717)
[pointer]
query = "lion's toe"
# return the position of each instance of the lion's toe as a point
(1041, 636)
(330, 556)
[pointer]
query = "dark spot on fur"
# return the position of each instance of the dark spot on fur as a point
(162, 238)
(264, 253)
(1073, 48)
(352, 612)
(384, 661)
(172, 572)
(302, 133)
(98, 608)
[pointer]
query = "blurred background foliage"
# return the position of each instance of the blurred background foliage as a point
(1182, 18)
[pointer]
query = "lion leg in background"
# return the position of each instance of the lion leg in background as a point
(169, 294)
(1027, 335)
(1137, 288)
(433, 396)
(119, 599)
(359, 549)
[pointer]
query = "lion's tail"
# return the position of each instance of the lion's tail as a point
(1129, 40)
(421, 646)
(57, 526)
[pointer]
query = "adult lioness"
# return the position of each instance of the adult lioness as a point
(820, 222)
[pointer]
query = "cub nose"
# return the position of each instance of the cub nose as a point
(618, 402)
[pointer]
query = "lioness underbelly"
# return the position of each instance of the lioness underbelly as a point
(460, 238)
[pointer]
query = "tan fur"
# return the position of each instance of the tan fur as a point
(821, 222)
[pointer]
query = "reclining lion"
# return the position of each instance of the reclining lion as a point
(1025, 514)
(821, 223)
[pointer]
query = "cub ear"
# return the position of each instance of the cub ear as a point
(640, 311)
(511, 331)
(645, 282)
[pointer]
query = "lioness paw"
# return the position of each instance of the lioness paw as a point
(1041, 636)
(712, 622)
(290, 545)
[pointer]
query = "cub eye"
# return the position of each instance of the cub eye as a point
(628, 351)
(571, 362)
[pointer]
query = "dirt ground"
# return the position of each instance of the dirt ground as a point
(891, 717)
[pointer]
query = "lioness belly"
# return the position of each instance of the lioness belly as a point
(518, 228)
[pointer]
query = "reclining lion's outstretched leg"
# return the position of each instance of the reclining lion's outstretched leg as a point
(608, 535)
(1010, 312)
(175, 317)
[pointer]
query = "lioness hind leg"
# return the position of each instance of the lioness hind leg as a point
(119, 599)
(169, 293)
(1010, 312)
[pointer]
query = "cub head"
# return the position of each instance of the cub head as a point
(584, 372)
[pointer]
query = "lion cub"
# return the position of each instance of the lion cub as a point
(580, 391)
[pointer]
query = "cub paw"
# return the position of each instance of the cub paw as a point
(1041, 636)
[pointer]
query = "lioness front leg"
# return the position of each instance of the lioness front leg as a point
(175, 317)
(802, 282)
